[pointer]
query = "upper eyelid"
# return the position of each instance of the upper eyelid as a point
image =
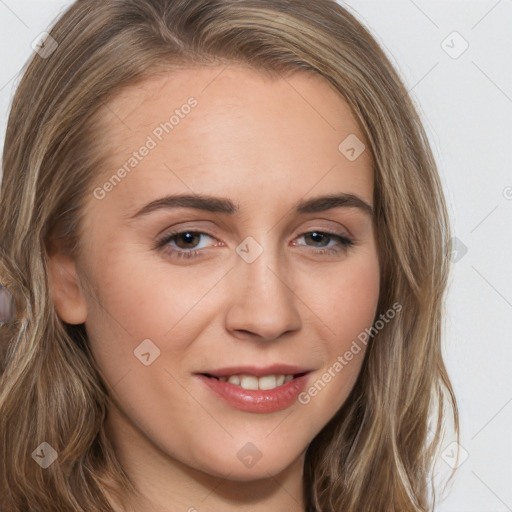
(206, 230)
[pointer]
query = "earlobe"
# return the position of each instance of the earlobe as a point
(65, 289)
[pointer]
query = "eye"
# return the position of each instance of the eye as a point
(341, 242)
(186, 244)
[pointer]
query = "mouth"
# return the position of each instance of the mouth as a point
(256, 390)
(253, 382)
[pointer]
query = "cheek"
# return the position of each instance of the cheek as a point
(135, 299)
(346, 297)
(356, 293)
(357, 297)
(348, 310)
(140, 296)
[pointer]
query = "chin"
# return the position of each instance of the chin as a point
(232, 468)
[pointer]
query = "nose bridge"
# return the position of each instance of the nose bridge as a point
(261, 263)
(263, 300)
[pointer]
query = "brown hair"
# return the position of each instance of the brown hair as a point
(377, 452)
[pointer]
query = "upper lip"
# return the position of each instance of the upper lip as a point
(257, 371)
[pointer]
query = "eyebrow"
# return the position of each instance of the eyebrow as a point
(226, 206)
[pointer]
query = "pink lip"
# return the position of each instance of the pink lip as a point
(257, 401)
(258, 371)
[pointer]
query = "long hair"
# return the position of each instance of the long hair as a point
(377, 453)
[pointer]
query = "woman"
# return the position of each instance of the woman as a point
(288, 357)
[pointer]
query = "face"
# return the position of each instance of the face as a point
(249, 276)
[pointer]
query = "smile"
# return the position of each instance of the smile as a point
(254, 383)
(248, 393)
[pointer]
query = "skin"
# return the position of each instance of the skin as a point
(265, 144)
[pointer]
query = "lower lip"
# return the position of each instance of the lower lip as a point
(261, 400)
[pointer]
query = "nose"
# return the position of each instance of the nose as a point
(263, 302)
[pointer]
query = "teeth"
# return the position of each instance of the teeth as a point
(251, 382)
(267, 382)
(234, 380)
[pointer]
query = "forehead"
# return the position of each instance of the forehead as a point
(231, 130)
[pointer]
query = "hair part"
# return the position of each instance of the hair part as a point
(375, 453)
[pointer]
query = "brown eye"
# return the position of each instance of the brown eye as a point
(321, 240)
(183, 243)
(186, 239)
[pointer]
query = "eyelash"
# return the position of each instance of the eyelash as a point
(162, 245)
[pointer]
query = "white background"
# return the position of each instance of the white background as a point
(466, 105)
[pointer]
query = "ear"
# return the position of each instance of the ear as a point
(65, 289)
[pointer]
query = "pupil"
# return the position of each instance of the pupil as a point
(188, 237)
(315, 235)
